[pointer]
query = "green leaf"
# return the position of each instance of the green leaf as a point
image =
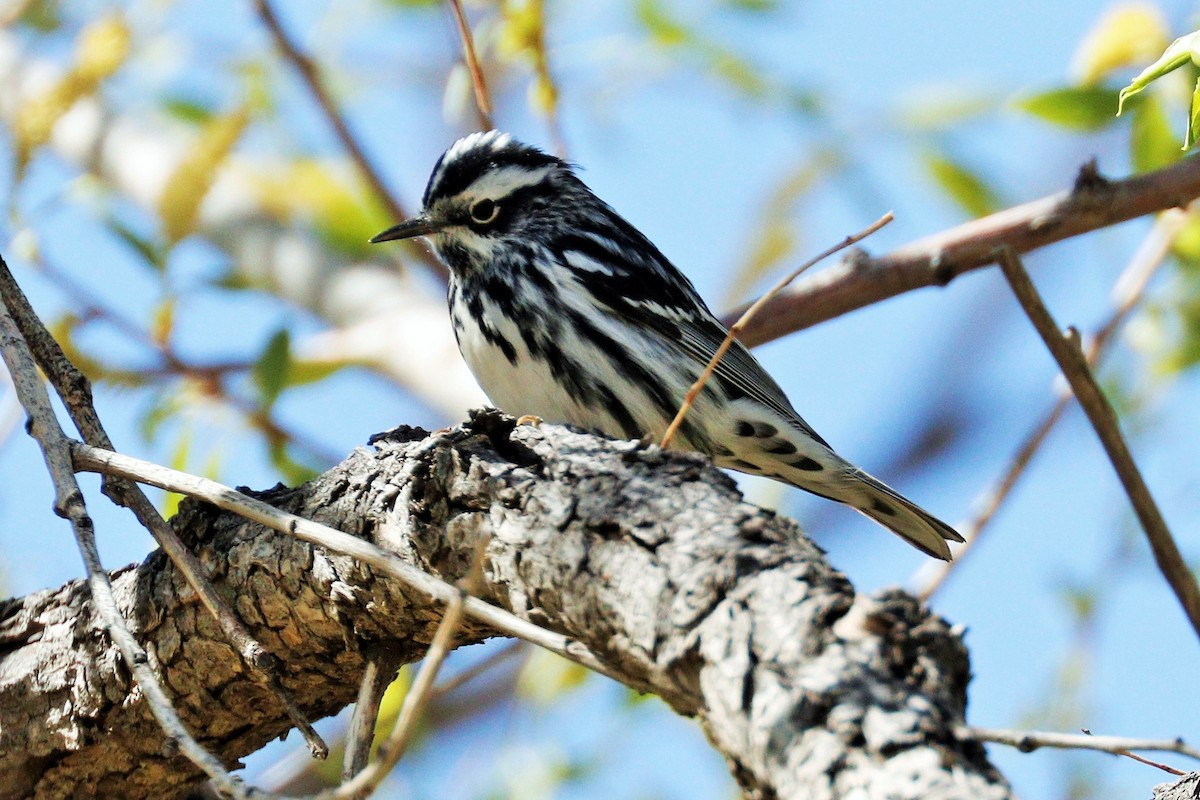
(151, 252)
(753, 5)
(1193, 118)
(187, 110)
(1186, 245)
(306, 372)
(1153, 145)
(546, 677)
(293, 471)
(273, 368)
(1178, 53)
(661, 27)
(1083, 108)
(179, 461)
(964, 186)
(44, 16)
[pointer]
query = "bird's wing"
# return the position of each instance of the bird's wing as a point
(701, 336)
(638, 285)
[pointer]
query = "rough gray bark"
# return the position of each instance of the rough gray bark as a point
(650, 558)
(1185, 788)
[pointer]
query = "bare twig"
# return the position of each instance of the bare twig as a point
(736, 328)
(483, 101)
(368, 780)
(76, 394)
(69, 504)
(378, 674)
(92, 459)
(1028, 741)
(935, 260)
(1068, 352)
(209, 377)
(1127, 294)
(312, 79)
(509, 650)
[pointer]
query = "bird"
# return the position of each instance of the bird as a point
(566, 312)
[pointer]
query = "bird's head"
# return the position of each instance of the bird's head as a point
(486, 193)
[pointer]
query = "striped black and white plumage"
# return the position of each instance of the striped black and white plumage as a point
(565, 311)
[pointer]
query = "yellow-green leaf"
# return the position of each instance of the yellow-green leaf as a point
(964, 186)
(179, 461)
(1178, 53)
(292, 470)
(775, 238)
(162, 323)
(659, 24)
(1193, 118)
(100, 49)
(179, 203)
(545, 676)
(1130, 33)
(1085, 108)
(273, 369)
(1152, 143)
(1186, 244)
(304, 371)
(331, 199)
(103, 47)
(151, 252)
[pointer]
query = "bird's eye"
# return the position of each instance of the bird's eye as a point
(484, 211)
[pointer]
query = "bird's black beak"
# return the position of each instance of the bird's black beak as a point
(419, 226)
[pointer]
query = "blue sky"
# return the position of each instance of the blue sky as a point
(689, 162)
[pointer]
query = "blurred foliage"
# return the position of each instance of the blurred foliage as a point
(179, 203)
(100, 49)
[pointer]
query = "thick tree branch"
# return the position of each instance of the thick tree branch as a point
(649, 558)
(859, 280)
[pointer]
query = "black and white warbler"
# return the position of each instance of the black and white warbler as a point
(564, 310)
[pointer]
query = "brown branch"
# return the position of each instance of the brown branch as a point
(93, 459)
(311, 76)
(686, 604)
(378, 673)
(1127, 294)
(69, 504)
(75, 391)
(483, 101)
(367, 781)
(859, 281)
(1068, 353)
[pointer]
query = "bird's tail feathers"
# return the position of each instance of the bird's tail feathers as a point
(905, 518)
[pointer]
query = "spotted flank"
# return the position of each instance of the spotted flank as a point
(566, 312)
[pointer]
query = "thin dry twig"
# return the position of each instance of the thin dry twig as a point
(211, 378)
(483, 100)
(93, 459)
(1127, 295)
(736, 328)
(69, 504)
(1093, 203)
(1068, 352)
(367, 781)
(1028, 741)
(75, 391)
(378, 674)
(311, 76)
(509, 650)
